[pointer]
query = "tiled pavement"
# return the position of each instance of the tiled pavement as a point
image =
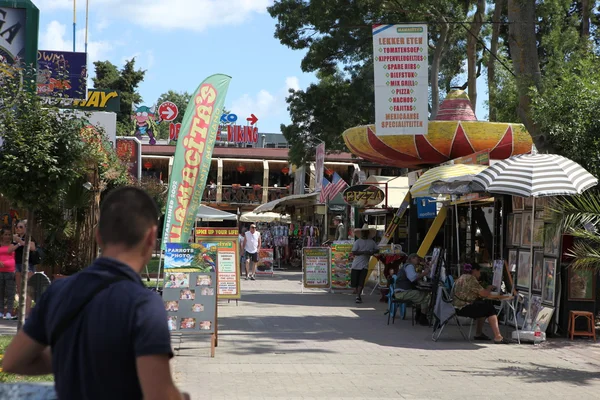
(278, 343)
(281, 344)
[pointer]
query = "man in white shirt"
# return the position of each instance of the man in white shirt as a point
(362, 250)
(252, 242)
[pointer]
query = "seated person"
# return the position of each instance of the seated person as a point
(469, 300)
(406, 288)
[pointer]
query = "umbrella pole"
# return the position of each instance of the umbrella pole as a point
(457, 239)
(531, 264)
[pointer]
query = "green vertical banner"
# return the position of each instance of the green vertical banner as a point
(192, 158)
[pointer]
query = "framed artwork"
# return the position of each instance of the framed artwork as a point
(516, 233)
(552, 244)
(517, 203)
(536, 306)
(538, 233)
(512, 260)
(498, 271)
(526, 235)
(524, 270)
(538, 271)
(522, 307)
(549, 284)
(543, 318)
(582, 284)
(510, 223)
(528, 203)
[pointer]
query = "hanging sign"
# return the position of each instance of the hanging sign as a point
(316, 267)
(363, 196)
(401, 79)
(168, 111)
(426, 207)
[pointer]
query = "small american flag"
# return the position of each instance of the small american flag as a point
(323, 196)
(337, 185)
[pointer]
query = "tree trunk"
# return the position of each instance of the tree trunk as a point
(492, 86)
(585, 19)
(435, 66)
(25, 271)
(526, 63)
(472, 42)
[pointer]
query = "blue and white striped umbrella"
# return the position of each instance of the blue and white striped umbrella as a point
(536, 175)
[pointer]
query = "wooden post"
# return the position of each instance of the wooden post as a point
(213, 344)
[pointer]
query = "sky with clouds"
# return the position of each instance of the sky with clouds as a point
(181, 42)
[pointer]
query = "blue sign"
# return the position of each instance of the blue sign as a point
(62, 73)
(228, 118)
(426, 207)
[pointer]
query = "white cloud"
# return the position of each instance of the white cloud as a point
(196, 15)
(55, 37)
(264, 104)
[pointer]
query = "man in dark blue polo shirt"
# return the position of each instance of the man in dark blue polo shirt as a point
(114, 344)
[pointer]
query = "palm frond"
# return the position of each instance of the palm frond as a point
(585, 256)
(574, 212)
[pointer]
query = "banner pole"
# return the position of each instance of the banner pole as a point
(158, 273)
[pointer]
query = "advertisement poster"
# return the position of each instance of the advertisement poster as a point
(130, 149)
(341, 264)
(192, 158)
(12, 35)
(189, 292)
(62, 73)
(401, 79)
(316, 267)
(266, 259)
(228, 259)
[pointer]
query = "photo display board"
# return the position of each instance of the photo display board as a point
(189, 292)
(316, 267)
(228, 258)
(266, 259)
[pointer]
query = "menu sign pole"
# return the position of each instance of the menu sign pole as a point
(401, 79)
(316, 267)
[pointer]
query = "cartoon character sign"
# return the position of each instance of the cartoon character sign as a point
(145, 123)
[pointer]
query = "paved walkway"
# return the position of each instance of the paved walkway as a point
(281, 344)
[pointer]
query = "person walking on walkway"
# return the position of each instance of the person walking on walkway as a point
(340, 229)
(7, 273)
(252, 242)
(362, 250)
(101, 332)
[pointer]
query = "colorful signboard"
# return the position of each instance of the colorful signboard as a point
(130, 149)
(193, 156)
(62, 73)
(19, 25)
(228, 259)
(97, 100)
(395, 224)
(316, 267)
(189, 292)
(242, 134)
(363, 196)
(401, 79)
(426, 207)
(319, 167)
(341, 264)
(266, 261)
(168, 111)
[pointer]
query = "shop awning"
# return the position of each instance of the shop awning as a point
(397, 187)
(293, 200)
(206, 213)
(265, 217)
(453, 174)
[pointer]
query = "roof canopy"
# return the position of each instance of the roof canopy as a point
(206, 213)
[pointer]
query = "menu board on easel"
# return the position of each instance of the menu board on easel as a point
(266, 258)
(341, 264)
(189, 291)
(316, 267)
(227, 257)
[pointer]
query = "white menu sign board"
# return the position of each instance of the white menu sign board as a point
(316, 267)
(401, 79)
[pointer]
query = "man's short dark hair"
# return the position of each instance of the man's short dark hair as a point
(126, 214)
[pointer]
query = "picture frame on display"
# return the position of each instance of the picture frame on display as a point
(526, 233)
(549, 284)
(510, 222)
(582, 284)
(516, 234)
(517, 203)
(524, 270)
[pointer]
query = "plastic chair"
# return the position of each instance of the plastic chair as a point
(395, 305)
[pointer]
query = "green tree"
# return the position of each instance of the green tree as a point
(181, 100)
(126, 81)
(40, 156)
(338, 39)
